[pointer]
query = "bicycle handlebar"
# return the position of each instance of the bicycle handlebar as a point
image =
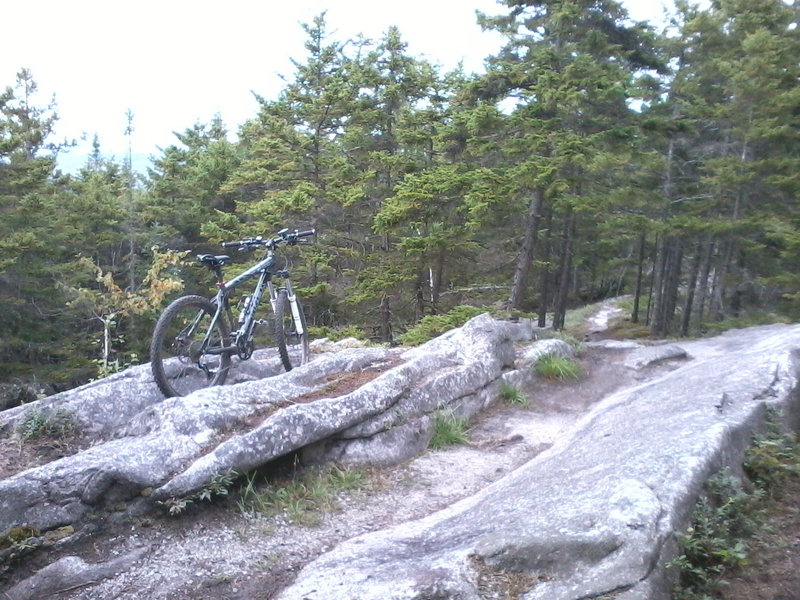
(284, 237)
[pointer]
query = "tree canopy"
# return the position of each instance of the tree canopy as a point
(596, 156)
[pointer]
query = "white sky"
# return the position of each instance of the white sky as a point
(176, 62)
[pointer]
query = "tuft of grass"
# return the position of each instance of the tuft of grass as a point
(39, 423)
(557, 367)
(511, 394)
(304, 499)
(448, 430)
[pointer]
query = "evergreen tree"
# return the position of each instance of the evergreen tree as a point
(28, 254)
(185, 184)
(569, 67)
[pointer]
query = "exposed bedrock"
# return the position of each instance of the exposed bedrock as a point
(595, 513)
(147, 448)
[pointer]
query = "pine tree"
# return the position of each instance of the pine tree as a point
(569, 67)
(28, 199)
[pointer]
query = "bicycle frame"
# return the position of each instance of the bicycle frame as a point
(243, 335)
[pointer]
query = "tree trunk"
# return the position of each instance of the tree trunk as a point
(419, 294)
(525, 258)
(694, 275)
(562, 293)
(705, 272)
(544, 279)
(721, 276)
(639, 276)
(385, 320)
(666, 299)
(657, 287)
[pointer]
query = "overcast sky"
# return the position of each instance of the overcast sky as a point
(176, 62)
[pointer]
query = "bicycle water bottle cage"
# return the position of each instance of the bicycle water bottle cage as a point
(212, 261)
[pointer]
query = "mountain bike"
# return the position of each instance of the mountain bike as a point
(196, 338)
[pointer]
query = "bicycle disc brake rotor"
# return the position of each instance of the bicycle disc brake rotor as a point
(188, 351)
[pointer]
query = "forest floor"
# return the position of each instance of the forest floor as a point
(252, 542)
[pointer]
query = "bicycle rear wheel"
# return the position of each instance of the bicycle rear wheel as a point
(179, 361)
(291, 333)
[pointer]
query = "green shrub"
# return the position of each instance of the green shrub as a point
(716, 327)
(337, 334)
(558, 367)
(220, 485)
(772, 460)
(433, 325)
(716, 539)
(731, 513)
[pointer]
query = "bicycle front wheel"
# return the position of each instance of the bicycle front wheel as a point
(186, 352)
(291, 333)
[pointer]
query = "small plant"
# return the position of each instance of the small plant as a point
(106, 368)
(17, 544)
(511, 394)
(220, 485)
(302, 500)
(448, 429)
(772, 460)
(558, 367)
(39, 423)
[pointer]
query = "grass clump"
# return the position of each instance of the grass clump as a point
(727, 522)
(553, 366)
(448, 430)
(511, 394)
(302, 499)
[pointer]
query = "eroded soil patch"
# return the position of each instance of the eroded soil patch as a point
(18, 454)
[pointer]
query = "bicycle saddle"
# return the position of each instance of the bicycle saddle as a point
(212, 260)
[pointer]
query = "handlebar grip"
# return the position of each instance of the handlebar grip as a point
(307, 233)
(231, 244)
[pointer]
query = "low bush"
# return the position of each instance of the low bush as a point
(39, 423)
(732, 514)
(433, 325)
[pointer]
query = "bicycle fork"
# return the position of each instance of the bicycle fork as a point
(295, 307)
